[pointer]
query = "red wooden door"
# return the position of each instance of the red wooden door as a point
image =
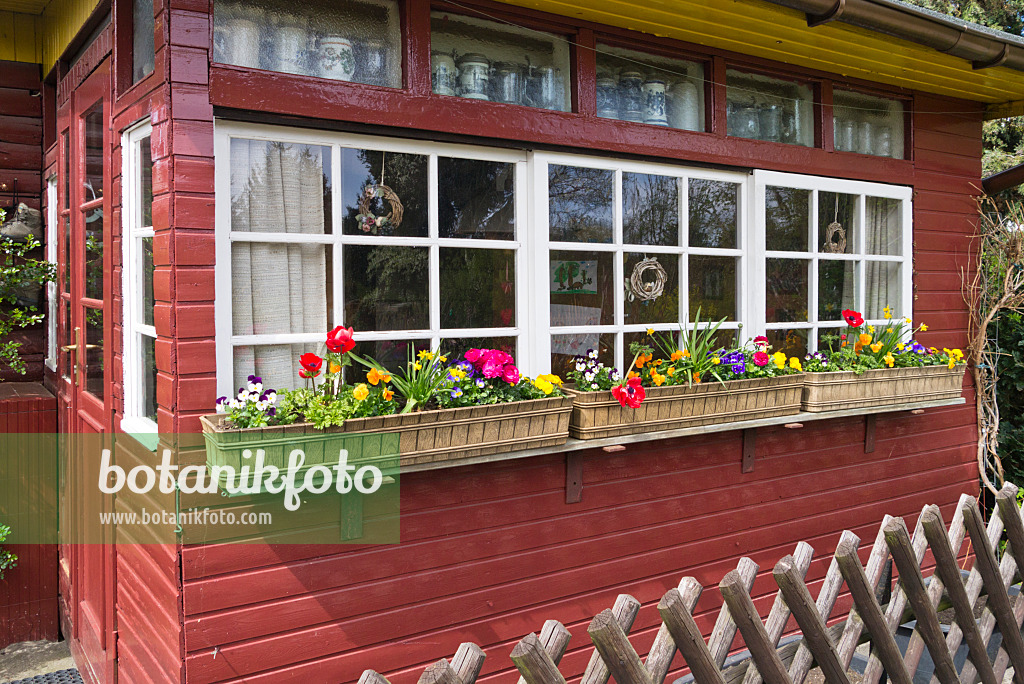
(87, 549)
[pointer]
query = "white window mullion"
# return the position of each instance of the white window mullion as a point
(812, 278)
(338, 233)
(435, 253)
(684, 252)
(618, 287)
(537, 229)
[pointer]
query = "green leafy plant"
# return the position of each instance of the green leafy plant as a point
(20, 272)
(420, 379)
(7, 559)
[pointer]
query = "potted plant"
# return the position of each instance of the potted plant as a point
(869, 366)
(670, 387)
(430, 410)
(21, 280)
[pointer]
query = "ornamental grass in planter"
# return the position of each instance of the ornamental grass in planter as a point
(428, 411)
(869, 366)
(685, 386)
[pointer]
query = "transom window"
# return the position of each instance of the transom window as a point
(418, 244)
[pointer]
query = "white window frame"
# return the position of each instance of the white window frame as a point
(541, 306)
(860, 257)
(227, 340)
(52, 296)
(132, 233)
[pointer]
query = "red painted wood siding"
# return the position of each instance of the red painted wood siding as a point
(21, 159)
(28, 593)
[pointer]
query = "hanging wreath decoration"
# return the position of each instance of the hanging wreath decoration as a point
(643, 289)
(835, 238)
(370, 222)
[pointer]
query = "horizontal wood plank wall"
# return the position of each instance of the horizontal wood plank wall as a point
(21, 160)
(490, 552)
(28, 593)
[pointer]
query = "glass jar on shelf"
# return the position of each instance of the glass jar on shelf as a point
(545, 88)
(654, 102)
(865, 134)
(474, 77)
(507, 83)
(845, 135)
(883, 141)
(443, 74)
(684, 106)
(769, 119)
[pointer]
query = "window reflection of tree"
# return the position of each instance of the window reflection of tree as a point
(476, 199)
(712, 210)
(787, 216)
(650, 209)
(580, 203)
(477, 288)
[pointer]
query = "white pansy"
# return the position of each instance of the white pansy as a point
(592, 353)
(593, 386)
(580, 366)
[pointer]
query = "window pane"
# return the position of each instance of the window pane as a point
(790, 342)
(884, 288)
(386, 288)
(277, 365)
(498, 62)
(582, 288)
(66, 264)
(787, 290)
(650, 209)
(714, 211)
(713, 287)
(836, 223)
(868, 124)
(637, 86)
(280, 187)
(883, 226)
(93, 339)
(766, 108)
(367, 176)
(476, 199)
(65, 146)
(278, 288)
(580, 203)
(828, 339)
(67, 358)
(147, 280)
(94, 273)
(565, 347)
(350, 41)
(392, 354)
(787, 218)
(148, 376)
(455, 347)
(478, 288)
(146, 171)
(143, 50)
(836, 289)
(93, 184)
(646, 276)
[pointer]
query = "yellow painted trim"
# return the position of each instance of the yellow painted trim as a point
(20, 37)
(1005, 109)
(757, 28)
(62, 20)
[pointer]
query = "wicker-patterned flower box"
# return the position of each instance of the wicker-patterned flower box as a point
(420, 437)
(599, 414)
(881, 387)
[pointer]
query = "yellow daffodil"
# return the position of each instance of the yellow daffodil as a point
(871, 329)
(417, 366)
(779, 359)
(442, 358)
(888, 330)
(909, 322)
(388, 394)
(650, 331)
(889, 360)
(887, 312)
(876, 347)
(361, 392)
(794, 363)
(426, 355)
(924, 328)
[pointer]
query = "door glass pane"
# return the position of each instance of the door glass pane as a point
(386, 288)
(564, 348)
(478, 288)
(93, 339)
(94, 273)
(787, 290)
(147, 280)
(580, 203)
(148, 376)
(652, 291)
(384, 193)
(66, 151)
(93, 185)
(280, 187)
(143, 50)
(714, 212)
(67, 358)
(582, 288)
(787, 219)
(883, 226)
(476, 199)
(66, 263)
(836, 288)
(146, 169)
(713, 287)
(836, 223)
(279, 288)
(650, 209)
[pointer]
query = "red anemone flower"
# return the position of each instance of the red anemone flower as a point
(339, 340)
(853, 318)
(630, 394)
(311, 362)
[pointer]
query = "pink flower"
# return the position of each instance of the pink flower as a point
(491, 367)
(510, 374)
(761, 343)
(760, 358)
(473, 355)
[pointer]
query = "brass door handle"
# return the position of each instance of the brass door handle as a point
(73, 347)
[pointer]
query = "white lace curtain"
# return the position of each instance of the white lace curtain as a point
(276, 287)
(884, 237)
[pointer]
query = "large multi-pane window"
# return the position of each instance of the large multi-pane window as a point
(418, 244)
(138, 269)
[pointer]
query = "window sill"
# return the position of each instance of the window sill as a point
(580, 444)
(143, 430)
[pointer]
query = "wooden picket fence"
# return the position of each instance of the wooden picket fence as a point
(830, 648)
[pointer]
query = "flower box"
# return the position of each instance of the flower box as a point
(599, 414)
(881, 387)
(418, 437)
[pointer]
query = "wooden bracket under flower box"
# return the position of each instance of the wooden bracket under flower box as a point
(599, 414)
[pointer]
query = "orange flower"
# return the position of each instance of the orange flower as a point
(642, 359)
(630, 375)
(360, 392)
(671, 371)
(374, 376)
(677, 354)
(865, 339)
(334, 367)
(696, 378)
(388, 394)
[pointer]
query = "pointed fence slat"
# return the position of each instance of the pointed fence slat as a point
(537, 657)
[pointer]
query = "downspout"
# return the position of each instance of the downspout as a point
(1004, 180)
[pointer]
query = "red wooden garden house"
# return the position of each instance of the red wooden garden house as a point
(199, 165)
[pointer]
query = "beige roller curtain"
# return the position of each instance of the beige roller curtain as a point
(883, 234)
(277, 288)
